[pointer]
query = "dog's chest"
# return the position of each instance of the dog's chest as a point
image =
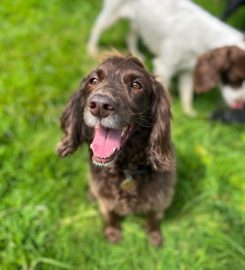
(129, 186)
(126, 194)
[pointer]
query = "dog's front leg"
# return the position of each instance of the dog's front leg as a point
(111, 12)
(186, 93)
(132, 41)
(112, 228)
(153, 221)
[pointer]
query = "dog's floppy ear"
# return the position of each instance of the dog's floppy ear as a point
(160, 146)
(237, 57)
(209, 67)
(72, 124)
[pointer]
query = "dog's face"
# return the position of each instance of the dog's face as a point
(225, 66)
(117, 99)
(233, 81)
(119, 95)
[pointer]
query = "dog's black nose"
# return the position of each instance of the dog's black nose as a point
(101, 106)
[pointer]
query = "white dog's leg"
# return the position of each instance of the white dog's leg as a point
(104, 21)
(186, 93)
(162, 71)
(132, 41)
(111, 12)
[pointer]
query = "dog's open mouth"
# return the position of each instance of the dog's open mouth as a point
(237, 105)
(107, 142)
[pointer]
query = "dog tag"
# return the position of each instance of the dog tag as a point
(128, 184)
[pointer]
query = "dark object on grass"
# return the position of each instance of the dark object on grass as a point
(229, 116)
(124, 114)
(232, 6)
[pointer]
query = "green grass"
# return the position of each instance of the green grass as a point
(46, 218)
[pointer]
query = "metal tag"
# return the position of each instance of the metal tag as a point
(128, 184)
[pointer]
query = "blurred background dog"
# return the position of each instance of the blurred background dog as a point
(176, 32)
(225, 66)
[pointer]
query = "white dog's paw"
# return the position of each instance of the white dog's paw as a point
(190, 112)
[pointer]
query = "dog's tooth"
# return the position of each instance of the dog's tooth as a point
(100, 164)
(123, 131)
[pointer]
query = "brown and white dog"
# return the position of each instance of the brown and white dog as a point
(225, 66)
(176, 32)
(123, 113)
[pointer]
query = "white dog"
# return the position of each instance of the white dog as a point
(175, 31)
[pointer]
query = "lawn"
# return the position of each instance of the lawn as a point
(47, 220)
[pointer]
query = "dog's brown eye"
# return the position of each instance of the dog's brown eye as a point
(93, 81)
(136, 85)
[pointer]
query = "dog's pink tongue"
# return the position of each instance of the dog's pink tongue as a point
(237, 105)
(105, 141)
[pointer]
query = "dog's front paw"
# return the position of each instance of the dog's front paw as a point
(191, 113)
(113, 235)
(155, 238)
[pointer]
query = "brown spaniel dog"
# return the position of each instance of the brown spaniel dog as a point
(124, 114)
